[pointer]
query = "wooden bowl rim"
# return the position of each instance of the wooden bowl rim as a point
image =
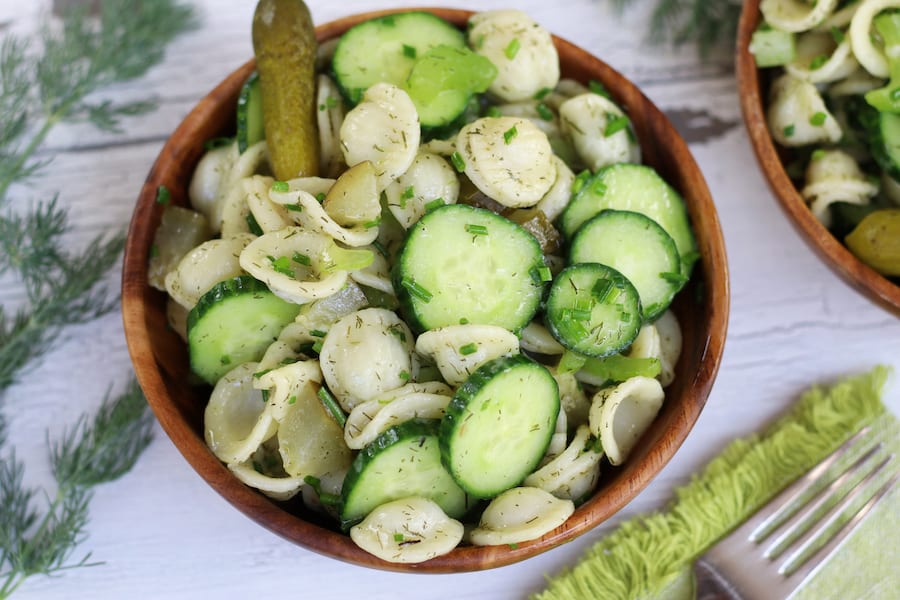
(711, 340)
(826, 246)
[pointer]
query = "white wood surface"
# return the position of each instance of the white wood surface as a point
(163, 533)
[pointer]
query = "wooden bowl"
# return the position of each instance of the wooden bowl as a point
(753, 88)
(161, 363)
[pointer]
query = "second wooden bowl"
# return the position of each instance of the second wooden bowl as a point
(161, 363)
(752, 86)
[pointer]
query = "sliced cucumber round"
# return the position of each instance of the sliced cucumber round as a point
(461, 264)
(250, 129)
(637, 247)
(233, 323)
(498, 425)
(593, 310)
(384, 49)
(638, 188)
(403, 461)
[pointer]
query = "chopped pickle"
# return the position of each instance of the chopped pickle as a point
(876, 241)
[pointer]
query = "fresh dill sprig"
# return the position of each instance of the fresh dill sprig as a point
(45, 81)
(701, 22)
(91, 453)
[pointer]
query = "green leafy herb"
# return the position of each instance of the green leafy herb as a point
(705, 24)
(512, 48)
(58, 76)
(470, 348)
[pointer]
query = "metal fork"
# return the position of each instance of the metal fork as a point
(777, 549)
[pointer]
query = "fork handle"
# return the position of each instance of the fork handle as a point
(711, 585)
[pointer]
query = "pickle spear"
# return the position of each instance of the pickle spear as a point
(284, 42)
(876, 241)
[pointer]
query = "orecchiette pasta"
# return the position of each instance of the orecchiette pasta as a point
(519, 515)
(458, 350)
(507, 158)
(278, 488)
(814, 45)
(574, 472)
(329, 118)
(369, 419)
(557, 197)
(834, 176)
(291, 262)
(209, 183)
(383, 129)
(532, 66)
(409, 530)
(234, 210)
(797, 114)
(591, 121)
(536, 338)
(236, 422)
(366, 353)
(796, 15)
(205, 266)
(308, 213)
(429, 179)
(268, 215)
(860, 33)
(620, 415)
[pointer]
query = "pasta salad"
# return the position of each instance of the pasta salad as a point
(443, 324)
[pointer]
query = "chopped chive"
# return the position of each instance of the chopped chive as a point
(789, 130)
(292, 400)
(317, 333)
(475, 229)
(463, 321)
(580, 180)
(330, 102)
(317, 347)
(404, 375)
(163, 195)
(509, 134)
(302, 259)
(253, 224)
(280, 186)
(409, 51)
(542, 93)
(372, 223)
(817, 154)
(512, 48)
(818, 62)
(417, 290)
(332, 406)
(282, 265)
(818, 119)
(324, 497)
(676, 278)
(398, 537)
(436, 203)
(493, 112)
(406, 195)
(837, 35)
(602, 290)
(544, 111)
(598, 187)
(397, 332)
(381, 249)
(540, 274)
(293, 207)
(259, 374)
(320, 197)
(265, 395)
(470, 348)
(459, 163)
(598, 88)
(154, 251)
(615, 124)
(217, 142)
(578, 314)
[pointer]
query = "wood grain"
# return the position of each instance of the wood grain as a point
(752, 87)
(160, 361)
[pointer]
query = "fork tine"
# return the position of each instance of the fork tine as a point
(787, 502)
(825, 502)
(801, 563)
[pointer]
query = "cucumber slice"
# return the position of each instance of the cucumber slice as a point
(461, 264)
(385, 49)
(593, 310)
(498, 425)
(884, 142)
(233, 323)
(403, 461)
(250, 128)
(638, 188)
(637, 247)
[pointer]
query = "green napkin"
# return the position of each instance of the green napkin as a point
(649, 557)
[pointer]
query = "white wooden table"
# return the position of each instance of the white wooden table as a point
(163, 533)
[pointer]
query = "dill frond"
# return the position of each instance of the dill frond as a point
(701, 22)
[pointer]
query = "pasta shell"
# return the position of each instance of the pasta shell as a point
(620, 415)
(429, 178)
(587, 119)
(519, 515)
(458, 350)
(369, 419)
(574, 472)
(409, 530)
